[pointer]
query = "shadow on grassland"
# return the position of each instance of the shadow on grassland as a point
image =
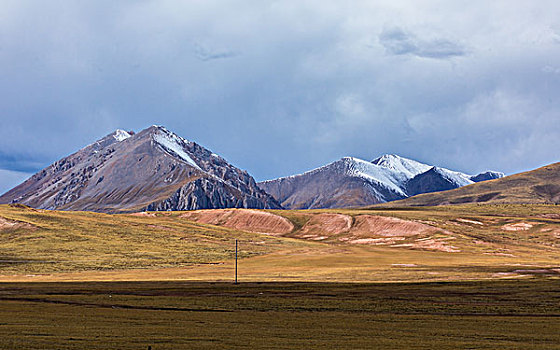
(169, 315)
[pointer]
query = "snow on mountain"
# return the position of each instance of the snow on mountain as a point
(402, 165)
(153, 169)
(173, 144)
(120, 135)
(354, 182)
(386, 177)
(390, 171)
(410, 168)
(487, 175)
(496, 174)
(456, 177)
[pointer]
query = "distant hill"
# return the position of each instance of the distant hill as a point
(540, 186)
(352, 182)
(151, 170)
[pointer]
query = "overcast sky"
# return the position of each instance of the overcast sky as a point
(280, 87)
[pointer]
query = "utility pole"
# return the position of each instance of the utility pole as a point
(236, 261)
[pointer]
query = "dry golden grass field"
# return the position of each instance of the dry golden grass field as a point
(375, 245)
(456, 277)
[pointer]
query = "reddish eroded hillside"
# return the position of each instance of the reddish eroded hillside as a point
(332, 228)
(388, 226)
(243, 219)
(327, 224)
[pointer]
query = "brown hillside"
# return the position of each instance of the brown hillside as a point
(540, 186)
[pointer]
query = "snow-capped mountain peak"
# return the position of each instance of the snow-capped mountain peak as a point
(496, 174)
(384, 176)
(487, 175)
(352, 181)
(153, 169)
(120, 135)
(406, 166)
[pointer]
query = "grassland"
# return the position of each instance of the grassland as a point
(513, 314)
(43, 245)
(57, 241)
(80, 280)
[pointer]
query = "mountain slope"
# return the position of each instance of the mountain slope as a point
(408, 167)
(344, 183)
(351, 182)
(537, 186)
(153, 169)
(430, 181)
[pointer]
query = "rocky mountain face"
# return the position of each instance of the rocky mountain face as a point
(487, 175)
(151, 170)
(437, 179)
(352, 182)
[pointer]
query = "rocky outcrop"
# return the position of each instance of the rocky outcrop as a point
(210, 193)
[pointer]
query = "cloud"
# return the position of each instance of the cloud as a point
(502, 125)
(551, 70)
(281, 87)
(21, 162)
(396, 41)
(205, 54)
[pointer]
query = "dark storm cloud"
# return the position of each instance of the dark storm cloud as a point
(398, 42)
(21, 162)
(281, 87)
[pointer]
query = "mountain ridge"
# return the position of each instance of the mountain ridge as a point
(153, 169)
(351, 181)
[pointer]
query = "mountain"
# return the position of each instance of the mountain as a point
(438, 179)
(487, 175)
(352, 182)
(540, 186)
(151, 170)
